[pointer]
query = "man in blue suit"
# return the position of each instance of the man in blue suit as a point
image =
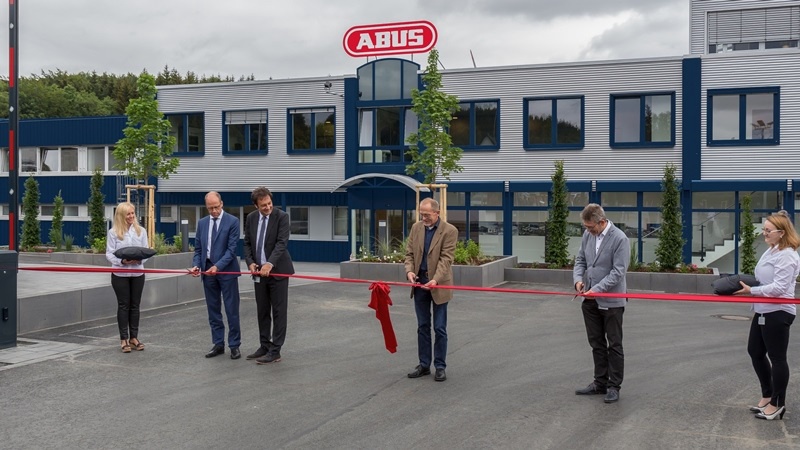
(215, 251)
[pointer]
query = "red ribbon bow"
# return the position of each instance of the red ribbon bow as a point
(380, 302)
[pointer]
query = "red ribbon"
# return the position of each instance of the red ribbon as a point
(673, 297)
(380, 302)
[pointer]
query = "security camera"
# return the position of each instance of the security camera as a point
(328, 85)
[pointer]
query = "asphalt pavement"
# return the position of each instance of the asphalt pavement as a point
(514, 362)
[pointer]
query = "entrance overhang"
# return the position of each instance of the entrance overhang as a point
(403, 179)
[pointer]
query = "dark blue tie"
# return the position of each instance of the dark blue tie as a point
(213, 235)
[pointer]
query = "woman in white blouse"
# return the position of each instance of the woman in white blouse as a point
(777, 272)
(128, 286)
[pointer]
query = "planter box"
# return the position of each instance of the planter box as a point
(486, 275)
(638, 281)
(168, 261)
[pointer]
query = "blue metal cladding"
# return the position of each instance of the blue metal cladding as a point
(234, 199)
(690, 143)
(350, 116)
(319, 251)
(67, 131)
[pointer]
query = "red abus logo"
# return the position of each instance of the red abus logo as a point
(390, 38)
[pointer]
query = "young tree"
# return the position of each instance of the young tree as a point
(31, 229)
(146, 149)
(670, 240)
(97, 219)
(747, 231)
(57, 225)
(556, 251)
(434, 109)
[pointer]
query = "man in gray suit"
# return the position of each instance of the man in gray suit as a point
(601, 266)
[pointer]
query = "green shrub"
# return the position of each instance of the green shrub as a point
(99, 245)
(68, 240)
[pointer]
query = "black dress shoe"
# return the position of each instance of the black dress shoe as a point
(235, 353)
(215, 350)
(270, 357)
(612, 395)
(592, 389)
(440, 375)
(419, 371)
(258, 353)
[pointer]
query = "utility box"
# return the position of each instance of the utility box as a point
(9, 266)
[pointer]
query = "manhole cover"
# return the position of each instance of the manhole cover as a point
(731, 317)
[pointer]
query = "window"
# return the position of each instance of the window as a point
(476, 125)
(340, 222)
(245, 132)
(4, 159)
(298, 220)
(643, 120)
(746, 29)
(53, 159)
(554, 122)
(312, 130)
(382, 133)
(743, 117)
(189, 133)
(69, 210)
(780, 44)
(387, 79)
(96, 159)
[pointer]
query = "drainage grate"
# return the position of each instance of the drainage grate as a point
(731, 317)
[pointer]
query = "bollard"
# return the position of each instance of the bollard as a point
(9, 265)
(184, 235)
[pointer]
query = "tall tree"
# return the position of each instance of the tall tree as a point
(97, 219)
(146, 149)
(747, 232)
(31, 229)
(669, 250)
(556, 249)
(57, 225)
(434, 109)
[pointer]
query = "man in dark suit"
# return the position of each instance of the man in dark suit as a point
(266, 237)
(215, 245)
(601, 265)
(429, 258)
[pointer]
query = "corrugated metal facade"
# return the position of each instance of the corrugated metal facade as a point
(752, 70)
(596, 82)
(279, 170)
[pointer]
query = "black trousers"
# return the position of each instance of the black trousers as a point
(604, 331)
(767, 347)
(129, 297)
(272, 299)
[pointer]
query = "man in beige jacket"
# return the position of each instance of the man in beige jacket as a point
(429, 259)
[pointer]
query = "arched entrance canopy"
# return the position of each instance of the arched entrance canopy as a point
(404, 179)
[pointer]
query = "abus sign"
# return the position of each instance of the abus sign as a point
(390, 38)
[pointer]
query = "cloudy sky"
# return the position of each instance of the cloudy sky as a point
(303, 38)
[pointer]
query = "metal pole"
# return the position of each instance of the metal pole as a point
(13, 125)
(184, 235)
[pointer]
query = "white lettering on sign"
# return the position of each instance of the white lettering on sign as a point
(391, 39)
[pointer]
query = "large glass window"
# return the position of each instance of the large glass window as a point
(554, 122)
(387, 79)
(748, 117)
(188, 131)
(298, 220)
(312, 130)
(643, 120)
(383, 132)
(476, 125)
(246, 132)
(4, 159)
(96, 158)
(340, 222)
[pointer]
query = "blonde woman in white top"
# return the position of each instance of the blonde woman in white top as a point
(776, 272)
(128, 286)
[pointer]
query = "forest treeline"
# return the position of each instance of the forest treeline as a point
(62, 94)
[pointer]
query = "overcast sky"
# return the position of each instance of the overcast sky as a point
(303, 38)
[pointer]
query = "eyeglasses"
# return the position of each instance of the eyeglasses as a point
(428, 215)
(592, 226)
(214, 208)
(767, 232)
